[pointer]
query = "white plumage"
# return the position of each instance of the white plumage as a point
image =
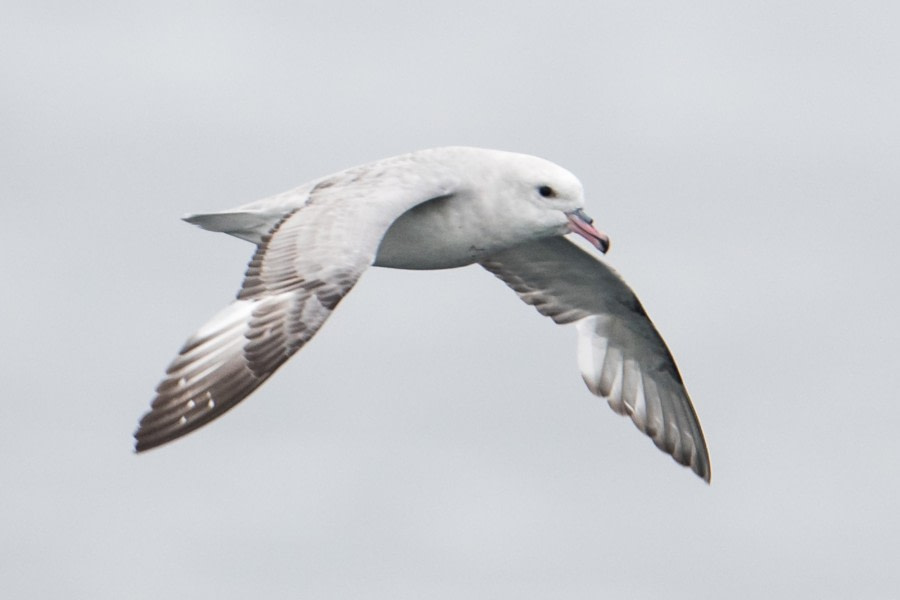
(433, 209)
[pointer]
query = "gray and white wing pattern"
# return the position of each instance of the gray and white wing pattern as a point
(621, 355)
(300, 271)
(287, 295)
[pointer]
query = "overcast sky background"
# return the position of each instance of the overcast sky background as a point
(435, 440)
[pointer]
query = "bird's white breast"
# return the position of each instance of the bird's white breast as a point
(452, 231)
(439, 234)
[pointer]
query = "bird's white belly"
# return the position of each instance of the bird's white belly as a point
(439, 234)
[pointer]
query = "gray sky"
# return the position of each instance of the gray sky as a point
(436, 441)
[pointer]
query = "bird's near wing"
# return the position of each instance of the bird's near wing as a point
(300, 271)
(621, 355)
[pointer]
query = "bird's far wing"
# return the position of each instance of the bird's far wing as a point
(621, 355)
(300, 271)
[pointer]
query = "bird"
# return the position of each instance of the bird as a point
(438, 208)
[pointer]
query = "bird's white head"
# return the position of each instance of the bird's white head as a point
(544, 196)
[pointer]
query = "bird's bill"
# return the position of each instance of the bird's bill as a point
(582, 224)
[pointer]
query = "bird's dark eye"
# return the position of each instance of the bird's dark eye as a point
(546, 191)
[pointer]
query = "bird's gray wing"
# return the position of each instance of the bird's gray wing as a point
(621, 355)
(300, 271)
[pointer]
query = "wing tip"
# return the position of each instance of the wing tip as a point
(143, 443)
(703, 471)
(693, 454)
